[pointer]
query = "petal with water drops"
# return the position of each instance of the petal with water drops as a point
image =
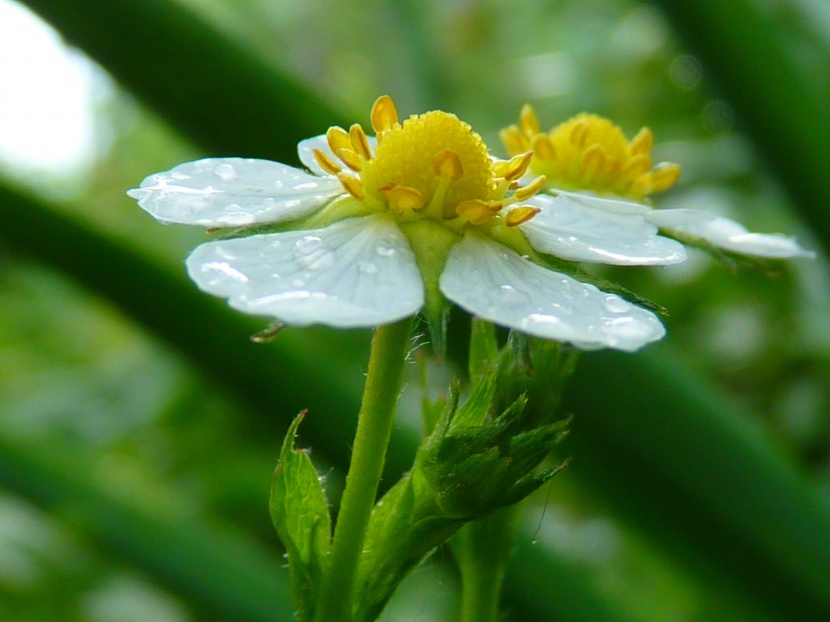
(358, 272)
(233, 192)
(493, 282)
(573, 229)
(727, 234)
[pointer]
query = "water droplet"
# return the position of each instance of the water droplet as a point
(385, 249)
(628, 327)
(367, 267)
(235, 217)
(509, 296)
(615, 304)
(313, 253)
(307, 245)
(225, 171)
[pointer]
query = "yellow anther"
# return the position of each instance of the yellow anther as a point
(517, 166)
(523, 194)
(338, 138)
(477, 211)
(447, 164)
(664, 176)
(350, 159)
(593, 159)
(360, 144)
(543, 147)
(528, 121)
(588, 152)
(520, 214)
(638, 165)
(384, 115)
(514, 141)
(353, 186)
(325, 162)
(642, 142)
(579, 133)
(403, 198)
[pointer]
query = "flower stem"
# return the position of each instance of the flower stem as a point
(374, 427)
(482, 549)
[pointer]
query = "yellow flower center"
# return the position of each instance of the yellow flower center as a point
(432, 166)
(589, 152)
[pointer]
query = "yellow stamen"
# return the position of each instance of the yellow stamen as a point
(447, 164)
(326, 162)
(642, 142)
(523, 194)
(664, 176)
(579, 133)
(384, 115)
(403, 198)
(517, 166)
(638, 165)
(350, 159)
(520, 214)
(593, 158)
(477, 211)
(588, 152)
(353, 186)
(514, 140)
(543, 147)
(338, 138)
(528, 120)
(360, 144)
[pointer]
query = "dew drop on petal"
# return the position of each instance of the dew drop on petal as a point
(628, 327)
(225, 171)
(509, 296)
(615, 304)
(367, 267)
(307, 245)
(235, 217)
(385, 249)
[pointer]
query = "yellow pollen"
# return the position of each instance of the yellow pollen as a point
(434, 154)
(402, 198)
(590, 153)
(520, 214)
(326, 163)
(430, 166)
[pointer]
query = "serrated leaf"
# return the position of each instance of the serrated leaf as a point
(299, 511)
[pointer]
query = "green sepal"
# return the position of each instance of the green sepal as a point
(299, 512)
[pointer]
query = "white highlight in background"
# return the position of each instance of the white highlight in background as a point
(48, 93)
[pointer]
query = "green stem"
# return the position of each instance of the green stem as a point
(482, 549)
(374, 427)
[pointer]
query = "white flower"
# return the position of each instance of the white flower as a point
(588, 159)
(383, 228)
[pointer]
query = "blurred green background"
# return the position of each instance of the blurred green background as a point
(139, 426)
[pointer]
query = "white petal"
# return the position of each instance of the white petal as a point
(670, 218)
(355, 273)
(572, 229)
(233, 192)
(495, 283)
(306, 148)
(733, 236)
(611, 206)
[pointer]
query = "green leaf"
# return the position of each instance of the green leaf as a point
(300, 514)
